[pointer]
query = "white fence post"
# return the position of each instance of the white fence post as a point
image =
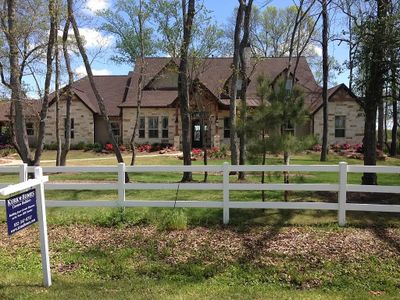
(121, 185)
(342, 193)
(44, 242)
(23, 172)
(225, 184)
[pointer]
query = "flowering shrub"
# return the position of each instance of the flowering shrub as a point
(144, 148)
(108, 147)
(345, 146)
(335, 147)
(359, 148)
(217, 153)
(122, 147)
(197, 152)
(317, 148)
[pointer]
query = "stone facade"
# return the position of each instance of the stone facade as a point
(128, 122)
(341, 105)
(83, 122)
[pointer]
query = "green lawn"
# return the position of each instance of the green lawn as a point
(263, 254)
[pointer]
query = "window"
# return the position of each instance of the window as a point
(142, 127)
(30, 129)
(153, 127)
(164, 127)
(340, 126)
(289, 84)
(288, 128)
(227, 130)
(115, 129)
(72, 128)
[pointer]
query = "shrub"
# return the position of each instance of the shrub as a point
(97, 147)
(218, 153)
(6, 150)
(317, 148)
(52, 146)
(335, 147)
(122, 147)
(359, 148)
(345, 146)
(108, 147)
(144, 148)
(78, 146)
(197, 152)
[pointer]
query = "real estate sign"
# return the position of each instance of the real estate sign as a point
(21, 211)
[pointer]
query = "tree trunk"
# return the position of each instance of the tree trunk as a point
(381, 118)
(49, 69)
(264, 159)
(57, 84)
(19, 126)
(67, 124)
(233, 87)
(140, 84)
(88, 68)
(325, 75)
(204, 139)
(183, 85)
(373, 93)
(286, 161)
(244, 61)
(393, 146)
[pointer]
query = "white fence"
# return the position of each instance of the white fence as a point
(342, 187)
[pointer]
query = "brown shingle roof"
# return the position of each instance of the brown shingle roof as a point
(111, 88)
(31, 109)
(214, 73)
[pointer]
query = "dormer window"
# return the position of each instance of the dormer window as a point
(239, 83)
(289, 84)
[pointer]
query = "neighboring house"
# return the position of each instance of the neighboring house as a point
(159, 120)
(31, 111)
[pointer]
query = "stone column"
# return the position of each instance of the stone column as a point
(216, 141)
(177, 143)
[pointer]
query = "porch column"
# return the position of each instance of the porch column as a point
(216, 138)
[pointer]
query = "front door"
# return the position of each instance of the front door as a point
(197, 141)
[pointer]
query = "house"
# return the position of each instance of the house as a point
(31, 111)
(159, 120)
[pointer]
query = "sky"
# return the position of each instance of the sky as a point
(221, 11)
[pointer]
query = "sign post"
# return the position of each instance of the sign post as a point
(27, 208)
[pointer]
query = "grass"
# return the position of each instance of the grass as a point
(155, 253)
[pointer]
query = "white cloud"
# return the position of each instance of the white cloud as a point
(81, 71)
(93, 6)
(94, 38)
(317, 50)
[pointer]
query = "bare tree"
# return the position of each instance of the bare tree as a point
(234, 82)
(88, 68)
(142, 68)
(244, 54)
(325, 76)
(68, 102)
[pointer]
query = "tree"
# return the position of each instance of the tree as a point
(325, 71)
(88, 68)
(132, 38)
(258, 125)
(68, 102)
(234, 83)
(373, 43)
(267, 126)
(183, 84)
(245, 56)
(12, 29)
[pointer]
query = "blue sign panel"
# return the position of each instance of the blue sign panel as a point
(21, 211)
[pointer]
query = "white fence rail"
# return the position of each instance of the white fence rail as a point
(342, 187)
